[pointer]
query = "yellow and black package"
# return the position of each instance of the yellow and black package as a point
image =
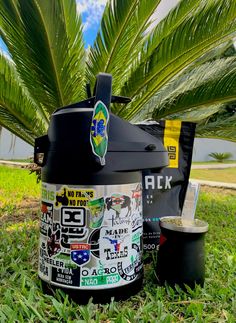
(164, 191)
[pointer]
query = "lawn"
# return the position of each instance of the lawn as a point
(21, 297)
(226, 175)
(17, 189)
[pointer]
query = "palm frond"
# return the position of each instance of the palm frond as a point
(222, 129)
(216, 53)
(209, 25)
(206, 85)
(18, 110)
(195, 94)
(197, 115)
(166, 71)
(120, 34)
(178, 15)
(45, 41)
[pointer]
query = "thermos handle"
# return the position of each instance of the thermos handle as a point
(103, 89)
(100, 118)
(40, 150)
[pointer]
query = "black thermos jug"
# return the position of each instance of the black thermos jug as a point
(91, 212)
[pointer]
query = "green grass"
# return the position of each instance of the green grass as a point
(22, 300)
(16, 185)
(226, 175)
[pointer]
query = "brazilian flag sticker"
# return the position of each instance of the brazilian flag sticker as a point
(98, 131)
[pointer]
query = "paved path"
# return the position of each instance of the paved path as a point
(213, 166)
(208, 183)
(196, 166)
(13, 163)
(215, 184)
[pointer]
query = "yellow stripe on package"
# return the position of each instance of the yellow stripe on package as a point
(171, 141)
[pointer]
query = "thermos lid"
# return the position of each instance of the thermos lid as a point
(88, 137)
(177, 223)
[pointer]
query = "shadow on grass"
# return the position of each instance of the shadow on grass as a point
(27, 210)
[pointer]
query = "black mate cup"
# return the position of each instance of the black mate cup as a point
(181, 255)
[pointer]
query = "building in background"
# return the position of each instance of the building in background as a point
(12, 147)
(17, 149)
(203, 147)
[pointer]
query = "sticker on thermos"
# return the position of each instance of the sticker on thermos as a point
(91, 237)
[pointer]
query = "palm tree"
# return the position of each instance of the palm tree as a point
(170, 70)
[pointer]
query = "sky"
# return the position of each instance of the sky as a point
(3, 46)
(92, 10)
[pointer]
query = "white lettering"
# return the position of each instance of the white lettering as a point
(159, 178)
(158, 182)
(149, 181)
(168, 180)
